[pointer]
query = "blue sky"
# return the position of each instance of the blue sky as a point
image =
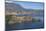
(31, 5)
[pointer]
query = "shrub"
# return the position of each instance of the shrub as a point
(35, 20)
(7, 18)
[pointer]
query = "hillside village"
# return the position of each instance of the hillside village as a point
(19, 18)
(15, 14)
(20, 14)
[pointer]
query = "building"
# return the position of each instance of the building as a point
(19, 18)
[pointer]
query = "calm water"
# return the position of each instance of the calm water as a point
(29, 25)
(36, 25)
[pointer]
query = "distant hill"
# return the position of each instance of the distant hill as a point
(13, 7)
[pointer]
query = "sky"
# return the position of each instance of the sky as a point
(29, 5)
(28, 0)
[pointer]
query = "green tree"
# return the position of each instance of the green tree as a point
(8, 18)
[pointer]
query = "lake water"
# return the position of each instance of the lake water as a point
(36, 25)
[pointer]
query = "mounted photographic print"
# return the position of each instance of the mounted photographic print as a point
(21, 15)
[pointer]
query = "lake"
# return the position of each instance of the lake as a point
(21, 26)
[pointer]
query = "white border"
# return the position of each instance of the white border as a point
(2, 16)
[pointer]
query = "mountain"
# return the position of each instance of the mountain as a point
(13, 7)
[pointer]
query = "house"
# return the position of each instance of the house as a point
(19, 18)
